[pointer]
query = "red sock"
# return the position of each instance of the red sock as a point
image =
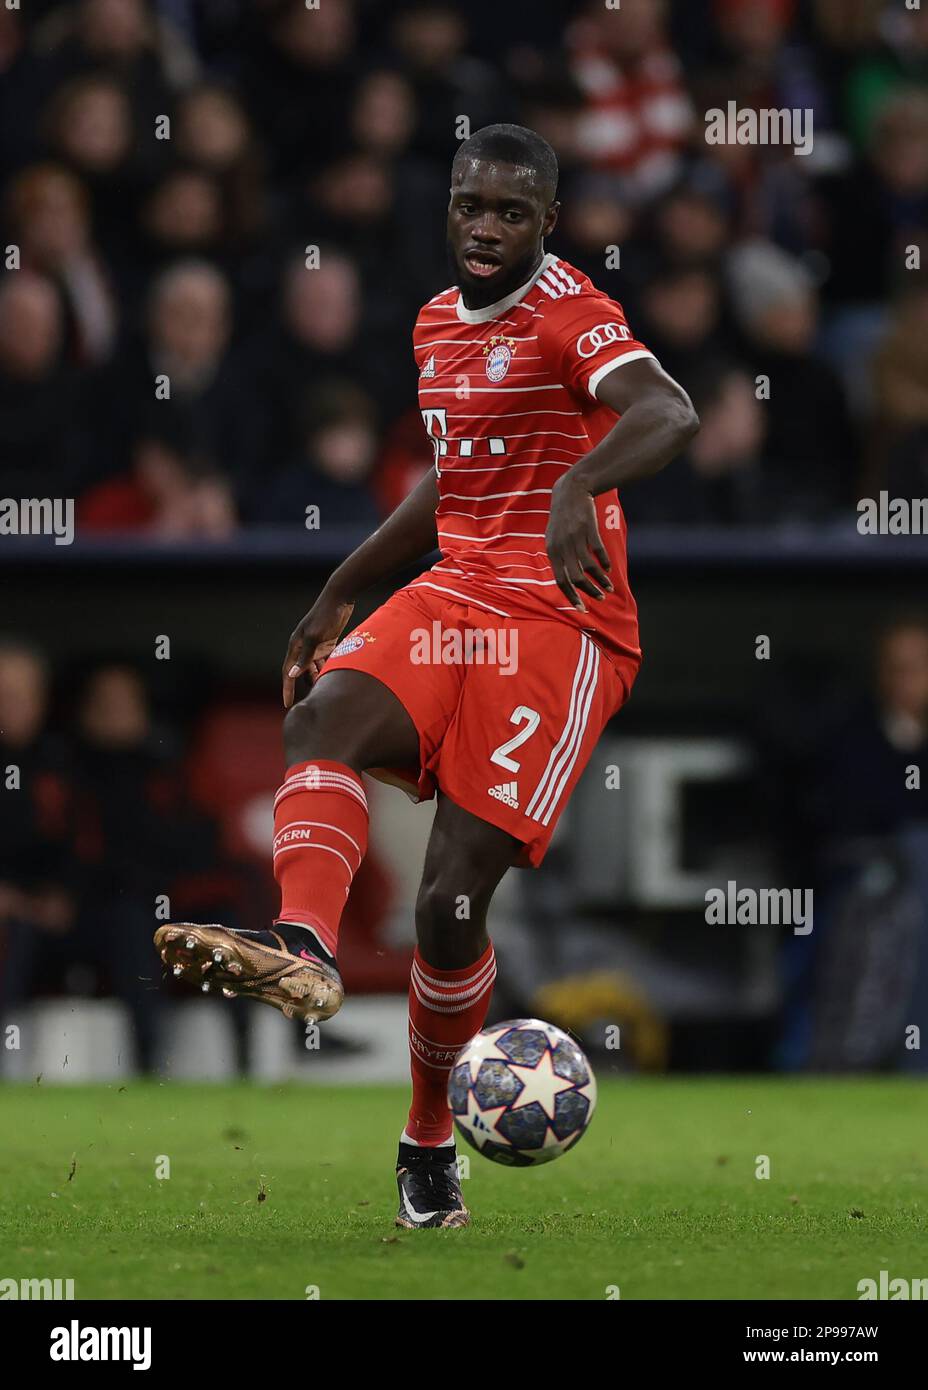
(320, 836)
(446, 1009)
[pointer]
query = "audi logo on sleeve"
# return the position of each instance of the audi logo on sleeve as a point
(601, 336)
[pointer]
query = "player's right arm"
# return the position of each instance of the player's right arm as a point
(408, 533)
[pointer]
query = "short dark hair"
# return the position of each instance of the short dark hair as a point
(514, 144)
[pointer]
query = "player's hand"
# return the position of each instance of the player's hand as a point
(575, 547)
(313, 639)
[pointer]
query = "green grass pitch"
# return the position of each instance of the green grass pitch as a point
(273, 1190)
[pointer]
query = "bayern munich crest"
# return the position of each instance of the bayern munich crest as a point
(499, 352)
(352, 643)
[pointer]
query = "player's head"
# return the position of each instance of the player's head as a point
(503, 203)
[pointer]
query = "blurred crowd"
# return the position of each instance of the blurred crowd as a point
(151, 246)
(97, 826)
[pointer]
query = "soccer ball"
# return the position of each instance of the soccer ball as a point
(522, 1092)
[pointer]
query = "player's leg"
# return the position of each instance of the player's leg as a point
(371, 707)
(452, 981)
(351, 718)
(348, 722)
(519, 741)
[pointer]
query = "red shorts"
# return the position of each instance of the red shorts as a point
(508, 711)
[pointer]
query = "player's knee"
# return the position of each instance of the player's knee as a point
(300, 728)
(450, 925)
(312, 731)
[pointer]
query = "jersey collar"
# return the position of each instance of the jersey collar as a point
(492, 311)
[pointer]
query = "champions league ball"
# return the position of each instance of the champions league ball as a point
(522, 1092)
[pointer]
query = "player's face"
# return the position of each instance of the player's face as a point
(496, 220)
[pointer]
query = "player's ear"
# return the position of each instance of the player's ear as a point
(550, 222)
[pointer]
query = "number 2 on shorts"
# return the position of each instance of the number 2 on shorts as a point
(520, 715)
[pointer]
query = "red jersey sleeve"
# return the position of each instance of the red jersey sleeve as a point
(588, 338)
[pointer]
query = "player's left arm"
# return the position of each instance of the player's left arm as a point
(658, 420)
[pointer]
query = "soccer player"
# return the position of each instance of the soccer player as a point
(490, 677)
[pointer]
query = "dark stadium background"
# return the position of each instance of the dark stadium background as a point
(289, 128)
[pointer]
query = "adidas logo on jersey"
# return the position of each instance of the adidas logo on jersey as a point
(429, 368)
(507, 793)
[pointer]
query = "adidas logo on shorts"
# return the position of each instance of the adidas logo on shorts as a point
(507, 793)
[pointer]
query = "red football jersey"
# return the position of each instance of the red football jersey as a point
(508, 395)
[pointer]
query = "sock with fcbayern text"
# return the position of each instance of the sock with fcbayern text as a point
(320, 838)
(446, 1009)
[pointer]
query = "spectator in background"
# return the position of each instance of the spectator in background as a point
(692, 224)
(136, 836)
(597, 226)
(186, 345)
(315, 335)
(172, 492)
(298, 79)
(92, 831)
(727, 455)
(638, 119)
(90, 123)
(553, 104)
(214, 134)
(117, 41)
(682, 318)
(89, 128)
(123, 38)
(355, 203)
(891, 43)
(863, 783)
(384, 118)
(810, 450)
(36, 869)
(334, 466)
(763, 65)
(901, 366)
(321, 335)
(48, 214)
(182, 215)
(861, 977)
(322, 309)
(38, 391)
(429, 38)
(900, 435)
(773, 68)
(880, 207)
(189, 326)
(877, 210)
(384, 113)
(350, 205)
